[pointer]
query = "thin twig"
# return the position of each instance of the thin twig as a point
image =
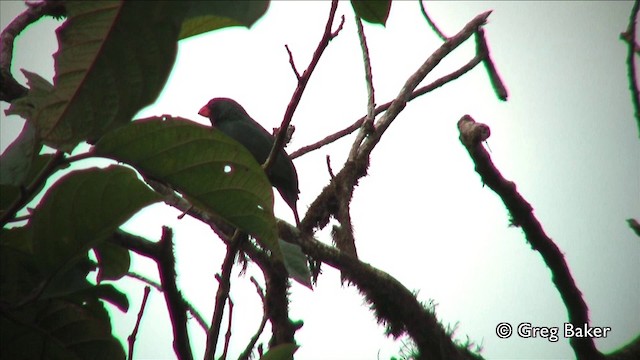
(358, 123)
(172, 296)
(432, 24)
(227, 337)
(249, 349)
(367, 125)
(302, 84)
(224, 284)
(483, 49)
(132, 338)
(293, 64)
(630, 36)
(403, 96)
(329, 166)
(190, 308)
(471, 135)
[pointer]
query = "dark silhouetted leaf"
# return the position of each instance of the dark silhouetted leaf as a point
(206, 166)
(281, 352)
(17, 158)
(84, 207)
(204, 16)
(9, 193)
(373, 11)
(114, 58)
(59, 329)
(114, 261)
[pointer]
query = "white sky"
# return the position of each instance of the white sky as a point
(566, 137)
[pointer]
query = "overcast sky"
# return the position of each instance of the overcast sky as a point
(566, 137)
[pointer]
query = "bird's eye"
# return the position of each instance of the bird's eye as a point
(227, 169)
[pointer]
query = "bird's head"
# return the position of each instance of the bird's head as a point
(223, 109)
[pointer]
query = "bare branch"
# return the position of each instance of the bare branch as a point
(293, 65)
(132, 338)
(224, 284)
(302, 84)
(471, 135)
(400, 312)
(172, 296)
(367, 125)
(494, 77)
(418, 92)
(227, 337)
(329, 166)
(630, 37)
(432, 24)
(249, 349)
(401, 100)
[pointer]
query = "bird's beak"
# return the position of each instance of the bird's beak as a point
(204, 111)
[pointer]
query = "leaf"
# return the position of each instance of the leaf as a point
(281, 352)
(209, 168)
(372, 11)
(114, 261)
(296, 263)
(114, 58)
(204, 16)
(82, 208)
(59, 329)
(9, 193)
(19, 272)
(634, 225)
(17, 158)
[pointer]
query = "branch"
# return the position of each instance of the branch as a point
(494, 77)
(249, 349)
(10, 89)
(367, 125)
(432, 24)
(151, 250)
(471, 135)
(302, 83)
(395, 306)
(224, 283)
(418, 92)
(132, 338)
(630, 37)
(323, 207)
(401, 100)
(227, 337)
(175, 303)
(293, 64)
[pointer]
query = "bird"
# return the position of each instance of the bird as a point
(233, 120)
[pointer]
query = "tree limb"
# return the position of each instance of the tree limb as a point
(471, 135)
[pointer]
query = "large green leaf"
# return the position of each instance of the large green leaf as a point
(17, 158)
(206, 16)
(83, 208)
(206, 166)
(10, 193)
(373, 11)
(58, 329)
(114, 58)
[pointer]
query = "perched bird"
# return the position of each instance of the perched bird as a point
(230, 117)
